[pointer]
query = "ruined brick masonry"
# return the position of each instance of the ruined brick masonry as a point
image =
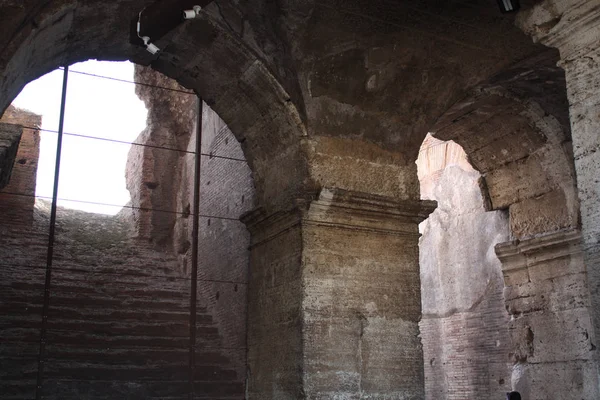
(119, 307)
(329, 103)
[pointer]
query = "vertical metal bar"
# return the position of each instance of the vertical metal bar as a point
(195, 240)
(50, 254)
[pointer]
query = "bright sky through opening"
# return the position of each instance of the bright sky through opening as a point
(91, 170)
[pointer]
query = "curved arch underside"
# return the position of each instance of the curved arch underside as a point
(515, 130)
(312, 90)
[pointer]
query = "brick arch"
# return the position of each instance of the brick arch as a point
(229, 75)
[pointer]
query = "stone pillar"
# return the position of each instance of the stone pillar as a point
(334, 299)
(573, 27)
(551, 325)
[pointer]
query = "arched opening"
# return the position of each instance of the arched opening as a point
(118, 320)
(331, 103)
(501, 331)
(464, 327)
(227, 73)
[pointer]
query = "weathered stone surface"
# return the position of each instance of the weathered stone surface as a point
(548, 300)
(434, 157)
(544, 214)
(464, 326)
(154, 173)
(342, 94)
(118, 320)
(162, 182)
(348, 331)
(572, 27)
(379, 73)
(516, 132)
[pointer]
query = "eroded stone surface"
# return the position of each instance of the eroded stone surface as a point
(464, 326)
(547, 297)
(571, 26)
(346, 300)
(341, 95)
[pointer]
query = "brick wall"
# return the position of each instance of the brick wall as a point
(10, 136)
(226, 190)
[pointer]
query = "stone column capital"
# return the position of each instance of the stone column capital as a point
(343, 209)
(572, 26)
(520, 255)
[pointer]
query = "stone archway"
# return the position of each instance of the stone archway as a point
(515, 130)
(224, 70)
(335, 96)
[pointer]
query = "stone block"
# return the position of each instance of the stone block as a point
(517, 181)
(548, 213)
(540, 337)
(576, 379)
(568, 291)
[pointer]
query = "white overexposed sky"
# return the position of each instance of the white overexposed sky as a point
(91, 170)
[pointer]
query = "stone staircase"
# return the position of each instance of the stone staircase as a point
(118, 323)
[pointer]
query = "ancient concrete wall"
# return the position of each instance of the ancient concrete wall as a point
(226, 192)
(464, 328)
(154, 173)
(164, 180)
(24, 171)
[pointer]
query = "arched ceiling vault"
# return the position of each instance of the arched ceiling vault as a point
(515, 130)
(288, 76)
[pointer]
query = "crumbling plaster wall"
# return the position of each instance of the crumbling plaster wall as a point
(464, 328)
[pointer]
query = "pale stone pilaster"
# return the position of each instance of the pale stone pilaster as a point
(335, 299)
(551, 325)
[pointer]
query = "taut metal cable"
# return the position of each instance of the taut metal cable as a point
(209, 155)
(133, 82)
(119, 206)
(120, 274)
